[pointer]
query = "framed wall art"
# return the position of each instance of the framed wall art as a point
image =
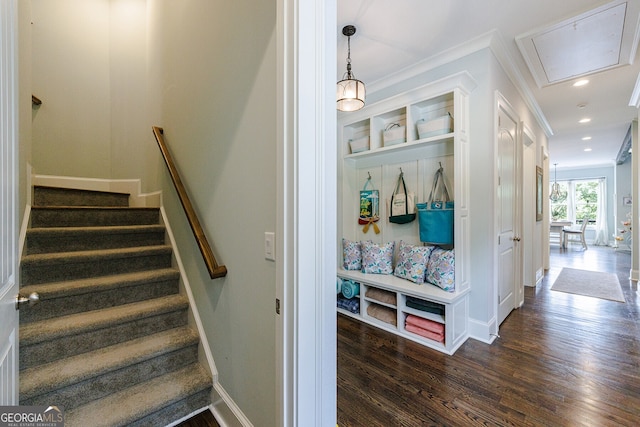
(539, 192)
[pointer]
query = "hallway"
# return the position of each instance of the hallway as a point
(562, 359)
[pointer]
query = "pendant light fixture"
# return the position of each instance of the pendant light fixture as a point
(555, 187)
(350, 91)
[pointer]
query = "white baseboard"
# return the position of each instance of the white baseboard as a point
(225, 410)
(539, 275)
(485, 332)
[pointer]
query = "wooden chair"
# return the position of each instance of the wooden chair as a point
(578, 235)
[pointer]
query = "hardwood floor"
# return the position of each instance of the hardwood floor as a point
(561, 360)
(203, 419)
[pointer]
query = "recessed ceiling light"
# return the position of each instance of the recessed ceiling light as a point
(581, 82)
(587, 149)
(585, 120)
(586, 138)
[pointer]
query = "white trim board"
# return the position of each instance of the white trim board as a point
(306, 208)
(483, 331)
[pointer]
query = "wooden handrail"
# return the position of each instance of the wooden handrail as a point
(215, 270)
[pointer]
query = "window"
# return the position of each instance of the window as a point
(578, 201)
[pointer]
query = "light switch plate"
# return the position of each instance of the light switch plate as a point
(270, 245)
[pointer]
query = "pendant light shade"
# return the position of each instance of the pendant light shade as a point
(350, 95)
(554, 196)
(350, 92)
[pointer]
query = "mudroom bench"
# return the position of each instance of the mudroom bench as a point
(395, 304)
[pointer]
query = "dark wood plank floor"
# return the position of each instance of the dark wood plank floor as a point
(561, 360)
(203, 419)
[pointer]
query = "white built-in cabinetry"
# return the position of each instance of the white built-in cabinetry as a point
(418, 159)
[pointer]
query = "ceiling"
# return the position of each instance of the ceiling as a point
(549, 42)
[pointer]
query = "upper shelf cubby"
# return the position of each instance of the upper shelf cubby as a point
(420, 117)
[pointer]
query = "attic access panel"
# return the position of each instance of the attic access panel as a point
(593, 41)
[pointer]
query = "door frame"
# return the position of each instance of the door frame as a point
(9, 203)
(307, 213)
(528, 145)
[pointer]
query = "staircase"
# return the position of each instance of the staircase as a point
(109, 341)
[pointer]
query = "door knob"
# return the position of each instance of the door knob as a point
(32, 299)
(515, 239)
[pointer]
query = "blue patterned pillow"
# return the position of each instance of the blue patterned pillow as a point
(412, 262)
(377, 259)
(352, 255)
(441, 269)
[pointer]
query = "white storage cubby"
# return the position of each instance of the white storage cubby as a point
(455, 305)
(418, 159)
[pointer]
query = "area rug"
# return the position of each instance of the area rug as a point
(589, 283)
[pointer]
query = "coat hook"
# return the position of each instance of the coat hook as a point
(401, 173)
(369, 173)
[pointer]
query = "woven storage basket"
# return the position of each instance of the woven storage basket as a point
(438, 126)
(394, 134)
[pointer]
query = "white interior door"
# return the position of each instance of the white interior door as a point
(507, 193)
(8, 203)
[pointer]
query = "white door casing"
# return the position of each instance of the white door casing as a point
(8, 202)
(506, 209)
(306, 228)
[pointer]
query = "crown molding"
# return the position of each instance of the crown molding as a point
(635, 95)
(501, 53)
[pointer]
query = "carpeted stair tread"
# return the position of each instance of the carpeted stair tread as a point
(67, 288)
(141, 400)
(51, 329)
(57, 196)
(67, 239)
(89, 216)
(74, 296)
(57, 266)
(93, 255)
(62, 373)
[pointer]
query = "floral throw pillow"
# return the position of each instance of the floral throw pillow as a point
(412, 262)
(377, 259)
(441, 269)
(352, 255)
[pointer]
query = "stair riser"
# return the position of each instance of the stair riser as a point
(71, 345)
(91, 389)
(50, 308)
(35, 273)
(49, 196)
(73, 242)
(87, 217)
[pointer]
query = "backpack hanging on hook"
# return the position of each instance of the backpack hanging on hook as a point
(402, 203)
(437, 215)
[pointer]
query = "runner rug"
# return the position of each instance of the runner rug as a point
(589, 283)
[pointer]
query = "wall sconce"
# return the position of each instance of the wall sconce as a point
(350, 91)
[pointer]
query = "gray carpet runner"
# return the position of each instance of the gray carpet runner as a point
(109, 341)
